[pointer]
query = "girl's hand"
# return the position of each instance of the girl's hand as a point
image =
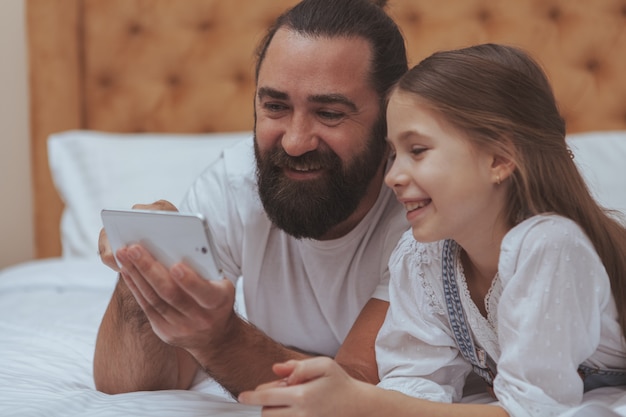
(311, 387)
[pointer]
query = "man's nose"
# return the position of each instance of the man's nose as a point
(299, 137)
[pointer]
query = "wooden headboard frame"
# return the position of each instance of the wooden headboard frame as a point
(187, 66)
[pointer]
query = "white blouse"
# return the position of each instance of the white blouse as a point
(550, 309)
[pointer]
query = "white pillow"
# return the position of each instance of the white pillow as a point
(601, 158)
(95, 170)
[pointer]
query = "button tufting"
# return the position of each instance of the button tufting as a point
(205, 25)
(173, 80)
(105, 81)
(268, 21)
(135, 29)
(555, 14)
(592, 65)
(413, 17)
(578, 43)
(240, 77)
(484, 15)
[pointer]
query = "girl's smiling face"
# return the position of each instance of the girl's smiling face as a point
(446, 184)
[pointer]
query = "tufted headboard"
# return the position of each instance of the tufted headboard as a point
(187, 66)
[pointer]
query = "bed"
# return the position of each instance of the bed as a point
(131, 99)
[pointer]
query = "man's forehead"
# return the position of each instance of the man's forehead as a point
(349, 55)
(316, 69)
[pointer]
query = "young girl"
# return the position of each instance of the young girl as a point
(511, 269)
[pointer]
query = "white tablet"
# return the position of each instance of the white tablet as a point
(171, 237)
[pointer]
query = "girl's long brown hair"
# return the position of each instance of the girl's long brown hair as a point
(502, 99)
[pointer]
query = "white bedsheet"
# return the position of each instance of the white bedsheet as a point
(49, 315)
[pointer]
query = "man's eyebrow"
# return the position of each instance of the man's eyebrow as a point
(317, 98)
(272, 93)
(333, 98)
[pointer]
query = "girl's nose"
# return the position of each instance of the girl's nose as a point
(396, 177)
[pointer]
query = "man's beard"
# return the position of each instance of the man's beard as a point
(310, 208)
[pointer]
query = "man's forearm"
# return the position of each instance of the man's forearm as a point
(357, 354)
(243, 358)
(129, 356)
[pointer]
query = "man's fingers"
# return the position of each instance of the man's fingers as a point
(162, 205)
(207, 294)
(156, 319)
(105, 252)
(149, 279)
(104, 248)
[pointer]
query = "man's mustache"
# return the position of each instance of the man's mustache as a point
(312, 160)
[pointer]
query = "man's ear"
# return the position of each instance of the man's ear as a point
(501, 168)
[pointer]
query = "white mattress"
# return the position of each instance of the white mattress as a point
(50, 311)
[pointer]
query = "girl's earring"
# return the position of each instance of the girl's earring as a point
(498, 181)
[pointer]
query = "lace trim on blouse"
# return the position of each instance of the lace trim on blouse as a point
(420, 256)
(492, 300)
(435, 304)
(484, 329)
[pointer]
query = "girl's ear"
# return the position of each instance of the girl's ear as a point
(501, 168)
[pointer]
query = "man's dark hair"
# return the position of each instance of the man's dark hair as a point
(348, 18)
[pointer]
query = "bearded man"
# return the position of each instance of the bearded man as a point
(299, 211)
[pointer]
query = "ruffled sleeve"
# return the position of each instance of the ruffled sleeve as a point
(416, 353)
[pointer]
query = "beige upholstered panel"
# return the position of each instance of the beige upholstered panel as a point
(187, 65)
(54, 104)
(580, 43)
(178, 66)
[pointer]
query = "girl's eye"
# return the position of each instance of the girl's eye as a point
(417, 151)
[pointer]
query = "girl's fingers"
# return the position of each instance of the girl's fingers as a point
(271, 397)
(309, 369)
(274, 384)
(284, 369)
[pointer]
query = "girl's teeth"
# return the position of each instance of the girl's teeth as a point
(414, 206)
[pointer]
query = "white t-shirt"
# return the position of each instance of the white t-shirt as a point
(550, 310)
(302, 293)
